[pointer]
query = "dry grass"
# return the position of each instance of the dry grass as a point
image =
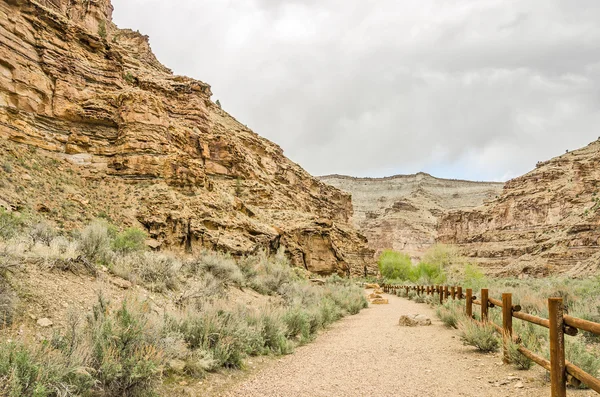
(125, 348)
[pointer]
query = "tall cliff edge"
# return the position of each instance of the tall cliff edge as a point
(96, 125)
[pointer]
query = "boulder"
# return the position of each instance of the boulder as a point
(44, 322)
(372, 286)
(380, 301)
(414, 320)
(375, 296)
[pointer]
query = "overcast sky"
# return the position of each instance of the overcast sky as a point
(473, 89)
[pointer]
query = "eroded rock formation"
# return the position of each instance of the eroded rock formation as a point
(150, 147)
(402, 212)
(544, 222)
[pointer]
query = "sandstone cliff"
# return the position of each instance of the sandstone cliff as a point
(544, 222)
(93, 124)
(402, 212)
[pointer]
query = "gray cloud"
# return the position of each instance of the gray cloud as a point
(463, 88)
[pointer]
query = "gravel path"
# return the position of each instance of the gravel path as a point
(370, 355)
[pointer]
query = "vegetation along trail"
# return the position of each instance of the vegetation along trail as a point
(369, 354)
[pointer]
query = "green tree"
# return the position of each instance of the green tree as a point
(395, 265)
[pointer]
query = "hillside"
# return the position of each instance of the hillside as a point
(544, 222)
(92, 124)
(402, 212)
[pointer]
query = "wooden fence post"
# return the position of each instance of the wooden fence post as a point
(441, 294)
(453, 292)
(506, 324)
(469, 309)
(558, 375)
(484, 304)
(446, 292)
(459, 293)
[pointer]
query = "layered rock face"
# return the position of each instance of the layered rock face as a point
(151, 148)
(402, 212)
(544, 222)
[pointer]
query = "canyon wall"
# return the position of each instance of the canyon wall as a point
(402, 212)
(544, 222)
(119, 135)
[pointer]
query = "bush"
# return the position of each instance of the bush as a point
(8, 303)
(578, 353)
(473, 277)
(298, 323)
(516, 358)
(10, 224)
(130, 240)
(215, 331)
(349, 298)
(42, 232)
(95, 240)
(395, 265)
(481, 336)
(273, 331)
(39, 372)
(442, 256)
(273, 274)
(419, 298)
(124, 353)
(449, 314)
(428, 273)
(223, 267)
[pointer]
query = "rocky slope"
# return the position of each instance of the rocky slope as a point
(91, 123)
(544, 222)
(402, 212)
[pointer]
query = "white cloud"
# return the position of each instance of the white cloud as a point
(368, 88)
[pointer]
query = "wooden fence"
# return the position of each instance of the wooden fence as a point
(559, 324)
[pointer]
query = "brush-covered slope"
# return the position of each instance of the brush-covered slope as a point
(91, 123)
(402, 212)
(544, 222)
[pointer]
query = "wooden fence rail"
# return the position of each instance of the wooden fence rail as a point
(558, 325)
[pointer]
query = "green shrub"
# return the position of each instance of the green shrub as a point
(102, 29)
(7, 167)
(449, 314)
(532, 337)
(10, 224)
(428, 273)
(419, 298)
(130, 240)
(473, 277)
(8, 303)
(579, 353)
(349, 298)
(223, 267)
(123, 349)
(273, 274)
(216, 331)
(481, 336)
(329, 311)
(298, 323)
(395, 265)
(39, 372)
(95, 240)
(274, 330)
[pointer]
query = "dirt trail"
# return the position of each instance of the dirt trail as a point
(370, 355)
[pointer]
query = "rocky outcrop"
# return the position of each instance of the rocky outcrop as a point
(151, 148)
(544, 222)
(402, 212)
